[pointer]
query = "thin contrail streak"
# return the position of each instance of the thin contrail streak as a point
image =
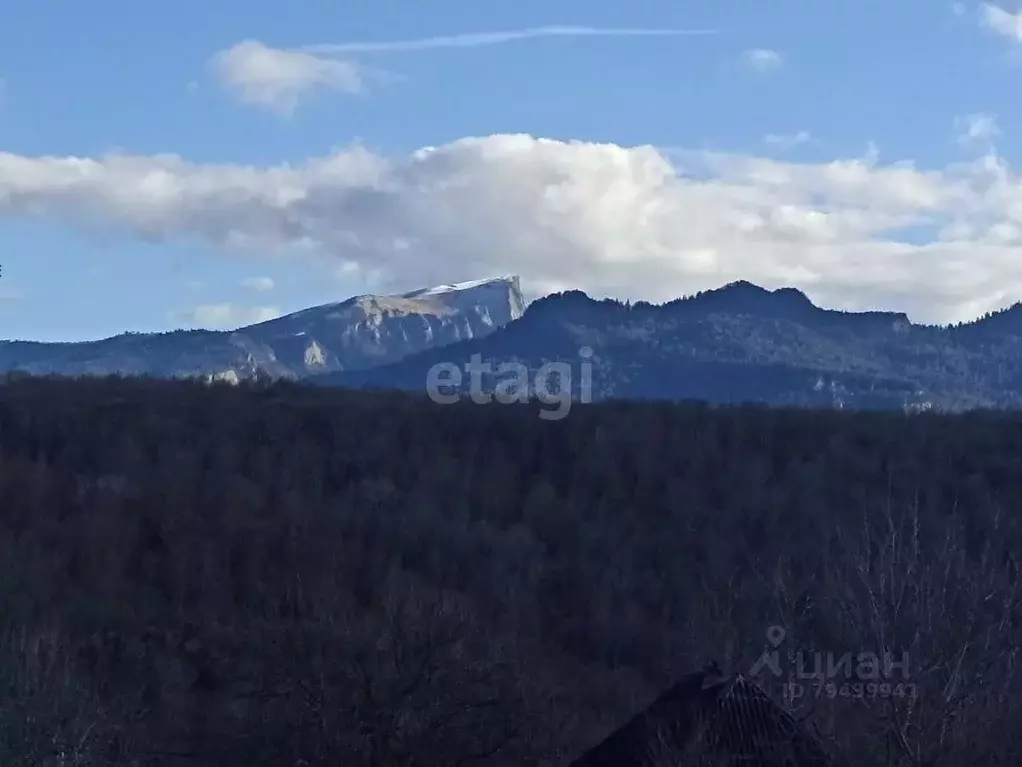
(476, 39)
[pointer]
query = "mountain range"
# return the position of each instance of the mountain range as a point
(363, 331)
(737, 343)
(741, 343)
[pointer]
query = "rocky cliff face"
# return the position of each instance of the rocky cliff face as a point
(362, 332)
(367, 331)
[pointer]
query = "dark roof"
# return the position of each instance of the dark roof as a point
(704, 719)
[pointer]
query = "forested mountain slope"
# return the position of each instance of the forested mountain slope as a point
(742, 343)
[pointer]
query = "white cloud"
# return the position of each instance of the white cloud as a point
(628, 222)
(1001, 22)
(763, 60)
(227, 316)
(478, 39)
(260, 284)
(977, 128)
(277, 79)
(787, 140)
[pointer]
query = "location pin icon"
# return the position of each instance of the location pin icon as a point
(775, 635)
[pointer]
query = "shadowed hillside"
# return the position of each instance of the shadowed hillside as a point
(743, 343)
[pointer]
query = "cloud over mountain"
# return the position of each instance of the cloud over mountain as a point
(940, 243)
(226, 316)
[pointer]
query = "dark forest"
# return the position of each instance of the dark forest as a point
(277, 574)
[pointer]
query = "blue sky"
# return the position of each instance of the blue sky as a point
(775, 139)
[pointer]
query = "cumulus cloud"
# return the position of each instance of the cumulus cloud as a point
(763, 60)
(979, 128)
(478, 39)
(227, 316)
(277, 79)
(260, 284)
(1001, 22)
(941, 243)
